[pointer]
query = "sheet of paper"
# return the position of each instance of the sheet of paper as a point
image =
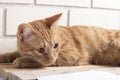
(1, 78)
(86, 75)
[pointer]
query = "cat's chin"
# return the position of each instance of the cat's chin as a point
(51, 62)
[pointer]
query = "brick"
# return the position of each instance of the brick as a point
(113, 4)
(84, 3)
(1, 14)
(8, 45)
(17, 1)
(101, 18)
(18, 15)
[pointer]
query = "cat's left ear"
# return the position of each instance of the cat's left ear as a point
(25, 32)
(50, 21)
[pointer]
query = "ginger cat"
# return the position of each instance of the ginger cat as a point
(44, 43)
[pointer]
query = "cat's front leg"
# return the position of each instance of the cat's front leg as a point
(9, 57)
(26, 62)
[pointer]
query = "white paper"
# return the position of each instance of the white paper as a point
(87, 75)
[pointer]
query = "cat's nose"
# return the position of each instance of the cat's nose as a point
(51, 60)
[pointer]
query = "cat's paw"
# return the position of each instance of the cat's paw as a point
(26, 62)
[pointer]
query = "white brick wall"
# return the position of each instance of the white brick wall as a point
(7, 44)
(103, 13)
(27, 14)
(17, 1)
(1, 15)
(95, 17)
(113, 4)
(83, 3)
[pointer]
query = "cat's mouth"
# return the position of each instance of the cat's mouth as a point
(47, 62)
(52, 61)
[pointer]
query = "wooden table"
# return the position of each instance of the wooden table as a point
(8, 72)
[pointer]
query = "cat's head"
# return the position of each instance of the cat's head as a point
(40, 39)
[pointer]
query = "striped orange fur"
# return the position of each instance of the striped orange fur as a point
(44, 43)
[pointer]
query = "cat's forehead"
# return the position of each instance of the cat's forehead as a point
(38, 25)
(41, 29)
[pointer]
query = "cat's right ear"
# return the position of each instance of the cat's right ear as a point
(24, 32)
(51, 21)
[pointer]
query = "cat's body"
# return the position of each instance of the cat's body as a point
(43, 43)
(92, 45)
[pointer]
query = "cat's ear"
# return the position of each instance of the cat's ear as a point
(52, 20)
(24, 32)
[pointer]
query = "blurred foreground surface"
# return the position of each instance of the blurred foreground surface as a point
(8, 72)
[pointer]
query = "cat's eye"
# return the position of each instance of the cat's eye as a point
(41, 50)
(56, 45)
